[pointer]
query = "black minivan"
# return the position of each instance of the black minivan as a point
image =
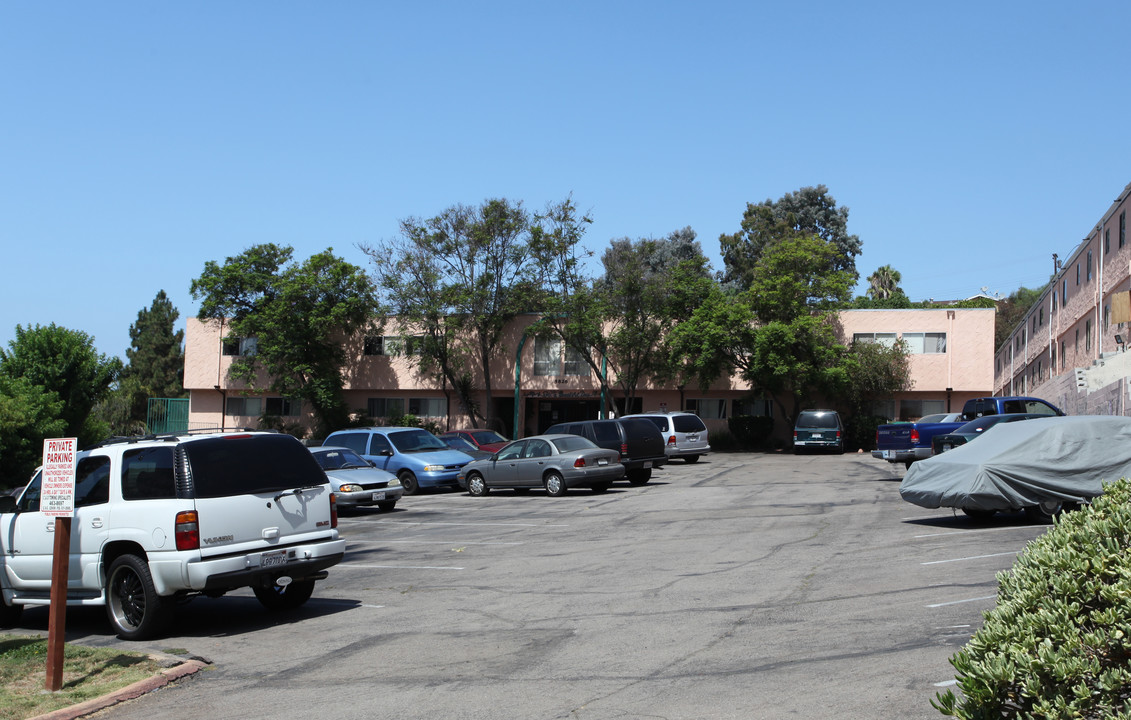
(639, 442)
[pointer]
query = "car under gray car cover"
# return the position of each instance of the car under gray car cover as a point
(1022, 464)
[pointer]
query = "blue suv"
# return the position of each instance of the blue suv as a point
(416, 456)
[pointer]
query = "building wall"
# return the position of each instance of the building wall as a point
(1071, 326)
(947, 378)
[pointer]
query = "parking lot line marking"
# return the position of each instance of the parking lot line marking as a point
(959, 602)
(429, 542)
(397, 522)
(973, 557)
(396, 567)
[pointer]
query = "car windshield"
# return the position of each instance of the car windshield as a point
(486, 437)
(339, 459)
(416, 441)
(456, 443)
(573, 442)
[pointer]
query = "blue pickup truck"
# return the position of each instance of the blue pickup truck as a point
(907, 442)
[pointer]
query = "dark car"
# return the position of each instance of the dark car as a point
(818, 430)
(639, 442)
(974, 429)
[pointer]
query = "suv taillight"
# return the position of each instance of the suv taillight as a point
(186, 530)
(333, 510)
(624, 449)
(671, 440)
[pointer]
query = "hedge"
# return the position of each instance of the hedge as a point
(1058, 643)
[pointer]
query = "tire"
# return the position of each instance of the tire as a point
(9, 614)
(600, 488)
(691, 459)
(288, 597)
(387, 506)
(555, 484)
(133, 606)
(640, 476)
(408, 482)
(476, 485)
(978, 514)
(1047, 511)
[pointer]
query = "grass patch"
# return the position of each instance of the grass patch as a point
(87, 673)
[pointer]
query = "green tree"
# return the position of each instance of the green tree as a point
(874, 372)
(156, 366)
(300, 316)
(1013, 310)
(477, 261)
(884, 283)
(64, 362)
(29, 414)
(809, 211)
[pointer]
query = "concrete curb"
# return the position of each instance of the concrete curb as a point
(139, 688)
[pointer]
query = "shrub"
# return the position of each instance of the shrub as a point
(860, 431)
(750, 431)
(1058, 644)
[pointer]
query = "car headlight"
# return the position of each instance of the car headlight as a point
(433, 468)
(395, 482)
(349, 488)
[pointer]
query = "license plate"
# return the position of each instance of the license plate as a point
(272, 559)
(889, 454)
(602, 461)
(947, 446)
(647, 464)
(693, 438)
(378, 496)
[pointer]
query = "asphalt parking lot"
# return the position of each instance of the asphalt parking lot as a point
(743, 586)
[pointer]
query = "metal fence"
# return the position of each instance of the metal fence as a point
(167, 415)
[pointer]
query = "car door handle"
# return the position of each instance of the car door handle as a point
(96, 522)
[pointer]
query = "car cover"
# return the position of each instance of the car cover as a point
(1023, 464)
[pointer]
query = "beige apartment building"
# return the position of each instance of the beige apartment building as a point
(1069, 350)
(538, 382)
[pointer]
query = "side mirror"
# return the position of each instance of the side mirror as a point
(371, 463)
(7, 504)
(386, 453)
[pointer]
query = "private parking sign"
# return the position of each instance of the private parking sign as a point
(57, 495)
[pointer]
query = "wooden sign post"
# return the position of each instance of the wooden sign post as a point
(57, 499)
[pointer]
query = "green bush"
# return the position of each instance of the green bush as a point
(750, 431)
(860, 431)
(1058, 644)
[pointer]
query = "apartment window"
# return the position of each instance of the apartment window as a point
(1034, 324)
(236, 347)
(1089, 266)
(1122, 228)
(374, 345)
(1087, 336)
(1063, 357)
(428, 407)
(915, 409)
(1052, 358)
(547, 356)
(1064, 291)
(282, 407)
(1107, 318)
(392, 345)
(575, 363)
(707, 409)
(1040, 370)
(1077, 273)
(1041, 315)
(385, 407)
(1076, 346)
(244, 407)
(754, 407)
(1107, 242)
(1054, 301)
(884, 338)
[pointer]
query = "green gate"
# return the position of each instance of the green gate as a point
(167, 415)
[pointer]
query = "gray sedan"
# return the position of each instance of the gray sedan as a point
(355, 481)
(554, 462)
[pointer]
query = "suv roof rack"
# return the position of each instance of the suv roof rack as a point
(166, 437)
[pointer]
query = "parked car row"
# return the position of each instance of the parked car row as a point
(378, 465)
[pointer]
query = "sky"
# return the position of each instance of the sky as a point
(969, 140)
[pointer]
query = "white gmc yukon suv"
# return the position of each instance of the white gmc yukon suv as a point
(163, 518)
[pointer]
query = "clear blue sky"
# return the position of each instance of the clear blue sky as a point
(970, 140)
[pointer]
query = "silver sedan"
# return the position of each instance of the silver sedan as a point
(554, 462)
(355, 481)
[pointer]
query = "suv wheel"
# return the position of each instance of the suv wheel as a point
(690, 458)
(135, 609)
(285, 597)
(9, 614)
(408, 481)
(640, 476)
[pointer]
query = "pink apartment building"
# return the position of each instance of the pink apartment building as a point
(1069, 349)
(537, 382)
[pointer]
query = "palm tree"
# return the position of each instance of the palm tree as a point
(883, 283)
